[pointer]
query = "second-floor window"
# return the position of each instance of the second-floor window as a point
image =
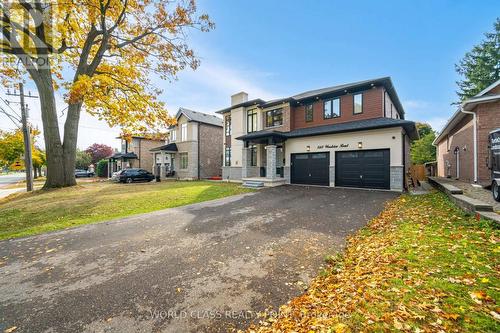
(358, 103)
(173, 135)
(274, 118)
(184, 132)
(227, 126)
(251, 121)
(331, 108)
(309, 112)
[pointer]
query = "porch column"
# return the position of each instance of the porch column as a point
(109, 168)
(162, 165)
(271, 162)
(245, 162)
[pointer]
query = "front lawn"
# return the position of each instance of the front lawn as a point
(421, 266)
(41, 211)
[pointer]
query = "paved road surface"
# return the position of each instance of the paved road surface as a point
(198, 268)
(6, 180)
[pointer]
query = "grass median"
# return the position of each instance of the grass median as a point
(41, 211)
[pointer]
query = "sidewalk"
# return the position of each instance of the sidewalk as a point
(4, 193)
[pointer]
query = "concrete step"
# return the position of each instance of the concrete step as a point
(448, 188)
(471, 204)
(253, 184)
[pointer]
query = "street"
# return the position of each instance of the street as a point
(9, 179)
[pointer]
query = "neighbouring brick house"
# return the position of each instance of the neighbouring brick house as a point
(193, 149)
(134, 154)
(462, 145)
(351, 135)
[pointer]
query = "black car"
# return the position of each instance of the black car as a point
(133, 175)
(83, 173)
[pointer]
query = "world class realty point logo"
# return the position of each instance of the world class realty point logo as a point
(28, 33)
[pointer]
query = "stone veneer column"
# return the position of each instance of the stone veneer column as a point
(271, 162)
(245, 162)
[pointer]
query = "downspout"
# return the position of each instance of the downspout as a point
(474, 120)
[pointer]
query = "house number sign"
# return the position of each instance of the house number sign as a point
(342, 145)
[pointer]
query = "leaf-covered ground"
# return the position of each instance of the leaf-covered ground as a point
(422, 265)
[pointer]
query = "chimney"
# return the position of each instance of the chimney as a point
(238, 98)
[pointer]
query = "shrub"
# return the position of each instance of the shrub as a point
(102, 168)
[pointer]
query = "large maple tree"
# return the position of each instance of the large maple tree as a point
(103, 53)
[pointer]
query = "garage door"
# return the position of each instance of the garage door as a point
(311, 169)
(364, 168)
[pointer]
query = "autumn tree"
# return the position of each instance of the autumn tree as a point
(103, 53)
(99, 151)
(422, 150)
(480, 67)
(11, 146)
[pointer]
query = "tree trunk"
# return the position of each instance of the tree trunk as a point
(51, 134)
(70, 141)
(35, 174)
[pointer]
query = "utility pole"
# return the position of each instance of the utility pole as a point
(28, 160)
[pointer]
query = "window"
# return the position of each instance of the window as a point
(173, 135)
(253, 155)
(274, 118)
(184, 160)
(228, 126)
(358, 103)
(309, 112)
(331, 108)
(184, 132)
(251, 121)
(227, 156)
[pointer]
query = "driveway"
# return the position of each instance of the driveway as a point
(201, 268)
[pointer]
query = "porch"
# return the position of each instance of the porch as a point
(263, 159)
(164, 157)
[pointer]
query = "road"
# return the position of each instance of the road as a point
(207, 267)
(9, 179)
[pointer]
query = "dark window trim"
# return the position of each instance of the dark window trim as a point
(330, 100)
(253, 149)
(354, 104)
(227, 157)
(226, 127)
(273, 124)
(250, 115)
(312, 112)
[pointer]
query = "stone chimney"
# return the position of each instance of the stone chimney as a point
(238, 98)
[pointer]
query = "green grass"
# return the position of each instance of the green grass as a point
(41, 211)
(423, 265)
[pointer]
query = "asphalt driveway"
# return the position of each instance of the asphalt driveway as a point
(204, 267)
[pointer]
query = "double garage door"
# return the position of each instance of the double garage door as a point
(362, 168)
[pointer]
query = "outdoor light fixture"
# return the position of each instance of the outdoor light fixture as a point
(360, 145)
(308, 148)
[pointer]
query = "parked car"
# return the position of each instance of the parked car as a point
(494, 162)
(133, 175)
(83, 173)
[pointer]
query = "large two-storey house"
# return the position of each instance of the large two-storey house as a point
(350, 135)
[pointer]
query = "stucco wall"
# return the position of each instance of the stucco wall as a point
(373, 139)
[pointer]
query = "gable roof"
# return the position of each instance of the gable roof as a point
(468, 105)
(199, 117)
(386, 82)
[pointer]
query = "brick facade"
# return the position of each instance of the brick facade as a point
(373, 107)
(210, 151)
(141, 147)
(488, 119)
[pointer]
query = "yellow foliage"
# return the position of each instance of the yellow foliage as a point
(113, 47)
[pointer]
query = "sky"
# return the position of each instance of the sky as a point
(272, 49)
